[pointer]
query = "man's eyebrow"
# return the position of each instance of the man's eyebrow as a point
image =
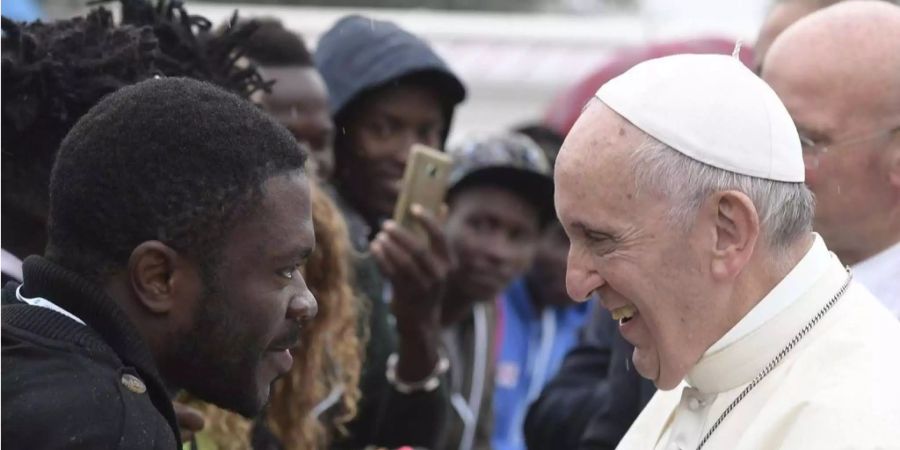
(581, 226)
(296, 254)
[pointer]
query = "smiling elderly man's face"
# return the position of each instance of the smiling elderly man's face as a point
(625, 249)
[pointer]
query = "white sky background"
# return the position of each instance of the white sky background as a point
(515, 64)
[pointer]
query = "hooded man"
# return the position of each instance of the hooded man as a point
(389, 90)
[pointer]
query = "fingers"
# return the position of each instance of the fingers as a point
(394, 234)
(384, 263)
(189, 420)
(420, 254)
(398, 259)
(433, 228)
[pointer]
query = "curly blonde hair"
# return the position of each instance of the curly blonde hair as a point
(328, 358)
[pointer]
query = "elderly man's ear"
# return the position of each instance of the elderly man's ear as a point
(736, 230)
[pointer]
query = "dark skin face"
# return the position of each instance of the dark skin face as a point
(547, 277)
(377, 141)
(299, 101)
(494, 234)
(227, 339)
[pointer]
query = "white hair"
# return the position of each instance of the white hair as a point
(785, 209)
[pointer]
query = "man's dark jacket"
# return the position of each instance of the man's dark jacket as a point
(595, 396)
(73, 386)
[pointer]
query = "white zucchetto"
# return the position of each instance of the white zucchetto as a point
(712, 109)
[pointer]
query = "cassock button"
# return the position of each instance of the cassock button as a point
(134, 384)
(694, 404)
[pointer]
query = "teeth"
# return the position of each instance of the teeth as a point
(624, 312)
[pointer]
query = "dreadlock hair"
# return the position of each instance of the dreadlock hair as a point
(52, 74)
(188, 47)
(271, 44)
(174, 160)
(55, 72)
(328, 358)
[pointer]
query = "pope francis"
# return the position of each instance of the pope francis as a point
(681, 189)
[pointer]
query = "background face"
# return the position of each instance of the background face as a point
(299, 100)
(374, 151)
(831, 105)
(494, 234)
(547, 276)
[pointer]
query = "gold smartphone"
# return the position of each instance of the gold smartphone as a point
(424, 183)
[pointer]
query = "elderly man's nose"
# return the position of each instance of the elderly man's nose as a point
(581, 281)
(577, 285)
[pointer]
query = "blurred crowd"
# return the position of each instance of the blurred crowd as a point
(246, 287)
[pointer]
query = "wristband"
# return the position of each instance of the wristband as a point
(428, 384)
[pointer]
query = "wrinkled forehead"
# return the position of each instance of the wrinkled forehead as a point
(600, 143)
(594, 165)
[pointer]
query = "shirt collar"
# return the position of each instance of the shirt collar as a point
(741, 360)
(871, 270)
(44, 303)
(799, 279)
(890, 255)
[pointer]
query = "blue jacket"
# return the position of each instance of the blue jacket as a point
(534, 344)
(22, 10)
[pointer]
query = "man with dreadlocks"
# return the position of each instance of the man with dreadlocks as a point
(172, 263)
(53, 77)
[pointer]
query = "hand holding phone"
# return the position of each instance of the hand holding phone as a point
(424, 184)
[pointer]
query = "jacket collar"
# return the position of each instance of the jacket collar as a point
(88, 301)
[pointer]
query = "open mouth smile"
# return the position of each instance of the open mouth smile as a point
(623, 314)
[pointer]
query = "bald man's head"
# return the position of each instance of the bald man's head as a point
(838, 72)
(856, 41)
(782, 15)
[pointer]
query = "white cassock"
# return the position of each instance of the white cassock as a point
(839, 388)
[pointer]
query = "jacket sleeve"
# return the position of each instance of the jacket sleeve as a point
(412, 419)
(400, 419)
(389, 418)
(624, 393)
(595, 397)
(560, 415)
(386, 417)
